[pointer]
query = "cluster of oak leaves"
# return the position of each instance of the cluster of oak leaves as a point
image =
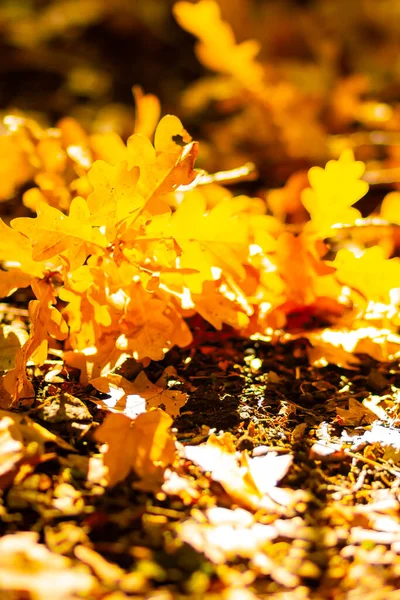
(129, 240)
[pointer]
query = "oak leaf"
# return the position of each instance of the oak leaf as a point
(52, 233)
(208, 240)
(217, 48)
(339, 345)
(11, 340)
(17, 246)
(166, 165)
(333, 191)
(371, 274)
(114, 195)
(139, 396)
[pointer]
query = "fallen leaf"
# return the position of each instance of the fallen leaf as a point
(371, 274)
(29, 567)
(357, 414)
(139, 396)
(142, 445)
(246, 480)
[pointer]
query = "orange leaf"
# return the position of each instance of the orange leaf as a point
(142, 445)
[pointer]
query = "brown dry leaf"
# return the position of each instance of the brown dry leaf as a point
(357, 414)
(139, 396)
(29, 567)
(246, 480)
(143, 445)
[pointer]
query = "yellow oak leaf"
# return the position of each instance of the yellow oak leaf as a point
(339, 345)
(215, 308)
(114, 196)
(217, 48)
(15, 167)
(51, 154)
(108, 146)
(52, 233)
(167, 165)
(142, 445)
(209, 240)
(372, 274)
(333, 191)
(170, 136)
(16, 252)
(139, 396)
(294, 266)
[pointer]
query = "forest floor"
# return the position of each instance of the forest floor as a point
(327, 526)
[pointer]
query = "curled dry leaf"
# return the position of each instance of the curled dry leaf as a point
(247, 480)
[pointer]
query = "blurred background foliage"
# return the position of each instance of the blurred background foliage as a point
(333, 68)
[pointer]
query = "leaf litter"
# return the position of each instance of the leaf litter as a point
(280, 481)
